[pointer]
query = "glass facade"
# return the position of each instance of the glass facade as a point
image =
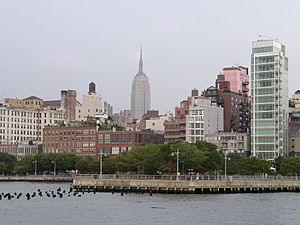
(269, 91)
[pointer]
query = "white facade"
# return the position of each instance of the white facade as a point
(24, 124)
(91, 106)
(157, 124)
(269, 91)
(296, 100)
(203, 119)
(140, 93)
(26, 149)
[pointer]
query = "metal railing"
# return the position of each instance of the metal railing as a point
(194, 178)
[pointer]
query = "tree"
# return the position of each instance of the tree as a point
(2, 167)
(277, 163)
(25, 165)
(201, 157)
(290, 166)
(9, 162)
(253, 166)
(233, 163)
(45, 163)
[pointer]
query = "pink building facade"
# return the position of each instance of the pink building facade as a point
(237, 77)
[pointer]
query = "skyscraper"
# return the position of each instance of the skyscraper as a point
(269, 90)
(140, 93)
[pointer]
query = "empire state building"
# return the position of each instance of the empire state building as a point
(140, 93)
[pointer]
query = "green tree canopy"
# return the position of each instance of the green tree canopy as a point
(8, 162)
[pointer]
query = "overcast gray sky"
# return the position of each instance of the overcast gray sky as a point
(46, 46)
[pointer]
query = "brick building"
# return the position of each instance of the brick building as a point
(86, 141)
(116, 142)
(231, 93)
(79, 140)
(175, 129)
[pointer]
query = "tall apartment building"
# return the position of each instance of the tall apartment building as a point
(237, 79)
(92, 105)
(140, 93)
(269, 106)
(231, 92)
(202, 119)
(108, 109)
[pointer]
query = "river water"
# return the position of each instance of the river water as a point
(143, 209)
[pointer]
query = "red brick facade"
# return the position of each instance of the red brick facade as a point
(87, 142)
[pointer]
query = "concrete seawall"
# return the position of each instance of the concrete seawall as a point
(211, 185)
(38, 178)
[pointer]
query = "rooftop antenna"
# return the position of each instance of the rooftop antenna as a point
(264, 36)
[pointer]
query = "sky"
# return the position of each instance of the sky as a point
(50, 45)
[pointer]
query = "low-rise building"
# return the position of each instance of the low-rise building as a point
(84, 139)
(25, 148)
(122, 118)
(230, 142)
(77, 139)
(114, 142)
(157, 124)
(294, 125)
(20, 150)
(175, 128)
(10, 149)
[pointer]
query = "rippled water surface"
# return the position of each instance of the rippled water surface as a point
(142, 209)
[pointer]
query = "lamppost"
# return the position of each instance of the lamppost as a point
(225, 159)
(35, 167)
(101, 163)
(54, 167)
(225, 163)
(177, 163)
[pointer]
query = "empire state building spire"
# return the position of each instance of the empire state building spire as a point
(141, 61)
(140, 92)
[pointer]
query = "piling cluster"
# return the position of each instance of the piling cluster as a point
(58, 193)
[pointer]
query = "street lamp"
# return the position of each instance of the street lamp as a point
(35, 167)
(54, 167)
(177, 163)
(225, 158)
(101, 163)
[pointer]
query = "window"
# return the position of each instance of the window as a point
(115, 138)
(123, 138)
(129, 138)
(115, 150)
(107, 138)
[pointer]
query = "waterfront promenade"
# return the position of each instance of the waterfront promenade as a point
(186, 184)
(37, 178)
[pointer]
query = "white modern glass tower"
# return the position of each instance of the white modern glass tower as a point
(140, 93)
(269, 106)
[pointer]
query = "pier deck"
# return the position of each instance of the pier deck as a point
(186, 184)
